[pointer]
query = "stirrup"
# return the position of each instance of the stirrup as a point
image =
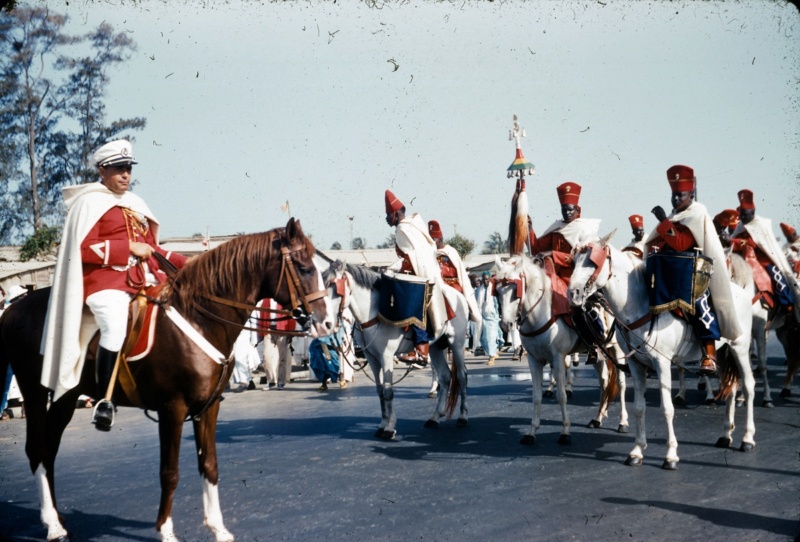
(103, 415)
(708, 367)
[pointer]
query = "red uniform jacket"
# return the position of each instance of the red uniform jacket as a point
(674, 236)
(107, 245)
(561, 249)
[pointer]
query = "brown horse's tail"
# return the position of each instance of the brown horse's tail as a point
(454, 392)
(728, 373)
(610, 393)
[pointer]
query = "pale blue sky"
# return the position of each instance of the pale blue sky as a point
(250, 104)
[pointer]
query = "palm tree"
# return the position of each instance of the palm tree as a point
(495, 244)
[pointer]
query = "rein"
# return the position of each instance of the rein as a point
(523, 317)
(300, 301)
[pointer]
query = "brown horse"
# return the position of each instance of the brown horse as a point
(215, 292)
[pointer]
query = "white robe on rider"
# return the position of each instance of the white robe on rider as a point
(760, 230)
(792, 253)
(580, 231)
(413, 240)
(696, 218)
(463, 280)
(69, 324)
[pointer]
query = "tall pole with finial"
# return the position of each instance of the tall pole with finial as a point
(518, 225)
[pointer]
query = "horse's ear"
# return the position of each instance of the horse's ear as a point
(604, 241)
(293, 231)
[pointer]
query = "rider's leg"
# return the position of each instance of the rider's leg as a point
(110, 310)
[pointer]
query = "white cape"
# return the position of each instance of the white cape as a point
(413, 239)
(69, 325)
(696, 218)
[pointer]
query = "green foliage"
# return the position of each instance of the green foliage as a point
(389, 243)
(336, 246)
(359, 243)
(462, 245)
(495, 244)
(52, 112)
(41, 243)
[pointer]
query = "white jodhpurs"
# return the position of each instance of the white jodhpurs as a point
(110, 310)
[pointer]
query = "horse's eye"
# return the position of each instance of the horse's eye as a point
(306, 270)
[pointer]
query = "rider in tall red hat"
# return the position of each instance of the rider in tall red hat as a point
(418, 252)
(689, 228)
(725, 222)
(105, 257)
(636, 246)
(452, 267)
(754, 240)
(556, 243)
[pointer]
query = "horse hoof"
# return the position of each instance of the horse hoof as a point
(462, 422)
(594, 424)
(432, 424)
(433, 395)
(528, 440)
(768, 404)
(388, 435)
(679, 401)
(623, 428)
(633, 461)
(747, 447)
(64, 538)
(723, 442)
(710, 402)
(549, 393)
(701, 385)
(739, 403)
(670, 464)
(569, 394)
(565, 440)
(786, 392)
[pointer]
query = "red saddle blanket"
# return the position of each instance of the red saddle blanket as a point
(145, 340)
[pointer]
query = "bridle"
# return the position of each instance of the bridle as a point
(520, 293)
(300, 300)
(598, 255)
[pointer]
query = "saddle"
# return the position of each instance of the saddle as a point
(139, 340)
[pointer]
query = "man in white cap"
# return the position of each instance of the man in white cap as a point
(105, 257)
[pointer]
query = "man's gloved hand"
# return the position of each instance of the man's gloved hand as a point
(659, 212)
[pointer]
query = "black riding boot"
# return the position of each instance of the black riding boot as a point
(103, 418)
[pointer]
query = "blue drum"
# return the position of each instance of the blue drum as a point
(676, 280)
(404, 300)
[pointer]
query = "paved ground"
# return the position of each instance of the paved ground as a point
(303, 465)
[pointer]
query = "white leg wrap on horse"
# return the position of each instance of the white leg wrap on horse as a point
(48, 512)
(213, 513)
(168, 531)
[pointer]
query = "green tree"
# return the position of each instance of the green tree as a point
(462, 245)
(389, 243)
(359, 243)
(336, 246)
(51, 112)
(495, 244)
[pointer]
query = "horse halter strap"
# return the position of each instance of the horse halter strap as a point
(294, 285)
(598, 256)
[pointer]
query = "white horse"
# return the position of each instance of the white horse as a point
(546, 340)
(665, 339)
(763, 322)
(357, 287)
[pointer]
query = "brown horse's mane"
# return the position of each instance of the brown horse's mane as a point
(228, 269)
